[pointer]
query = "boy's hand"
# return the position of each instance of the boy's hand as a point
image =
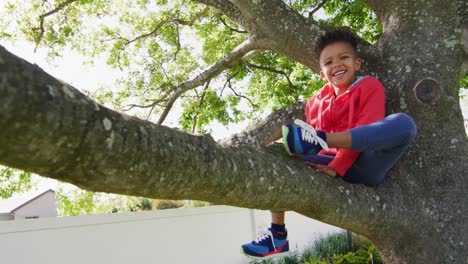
(322, 168)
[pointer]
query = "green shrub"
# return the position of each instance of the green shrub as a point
(196, 203)
(332, 249)
(360, 256)
(332, 244)
(168, 204)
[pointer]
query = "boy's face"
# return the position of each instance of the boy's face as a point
(339, 64)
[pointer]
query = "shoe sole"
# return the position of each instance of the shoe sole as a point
(277, 255)
(285, 132)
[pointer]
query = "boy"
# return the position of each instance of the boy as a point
(345, 134)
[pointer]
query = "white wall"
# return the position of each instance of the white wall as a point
(5, 217)
(197, 235)
(43, 206)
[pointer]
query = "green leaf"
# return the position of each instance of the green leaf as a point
(13, 181)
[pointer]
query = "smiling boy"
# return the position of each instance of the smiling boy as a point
(346, 133)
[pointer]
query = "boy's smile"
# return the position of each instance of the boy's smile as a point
(339, 64)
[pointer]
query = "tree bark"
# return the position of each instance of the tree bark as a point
(418, 216)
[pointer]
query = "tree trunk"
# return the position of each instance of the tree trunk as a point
(418, 216)
(421, 74)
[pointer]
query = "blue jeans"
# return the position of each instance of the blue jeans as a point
(381, 144)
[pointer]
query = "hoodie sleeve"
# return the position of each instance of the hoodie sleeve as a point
(371, 108)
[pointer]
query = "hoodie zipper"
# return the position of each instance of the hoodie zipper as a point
(332, 113)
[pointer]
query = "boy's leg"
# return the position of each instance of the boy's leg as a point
(393, 132)
(277, 217)
(386, 133)
(382, 144)
(272, 243)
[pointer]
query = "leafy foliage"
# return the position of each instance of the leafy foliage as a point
(13, 181)
(76, 203)
(168, 204)
(73, 202)
(464, 82)
(156, 46)
(276, 81)
(333, 249)
(355, 14)
(198, 112)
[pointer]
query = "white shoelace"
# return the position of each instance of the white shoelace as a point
(310, 135)
(265, 235)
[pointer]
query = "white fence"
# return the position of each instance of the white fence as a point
(196, 235)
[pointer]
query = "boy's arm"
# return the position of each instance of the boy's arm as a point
(371, 109)
(343, 160)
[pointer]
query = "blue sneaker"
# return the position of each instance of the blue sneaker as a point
(266, 246)
(303, 139)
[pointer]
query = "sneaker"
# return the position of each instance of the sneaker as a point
(266, 246)
(302, 139)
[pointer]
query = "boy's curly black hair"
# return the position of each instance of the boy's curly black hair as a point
(336, 35)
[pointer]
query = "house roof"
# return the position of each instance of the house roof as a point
(11, 205)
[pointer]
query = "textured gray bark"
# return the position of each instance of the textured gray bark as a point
(418, 216)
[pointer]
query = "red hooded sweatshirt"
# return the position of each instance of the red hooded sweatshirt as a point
(363, 103)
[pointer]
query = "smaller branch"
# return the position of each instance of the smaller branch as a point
(178, 42)
(195, 118)
(231, 28)
(241, 96)
(229, 85)
(274, 71)
(193, 18)
(150, 111)
(268, 130)
(58, 8)
(152, 105)
(251, 54)
(230, 60)
(158, 27)
(317, 8)
(228, 80)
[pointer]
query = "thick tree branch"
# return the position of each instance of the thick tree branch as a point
(227, 8)
(375, 4)
(235, 57)
(275, 21)
(379, 8)
(268, 130)
(50, 128)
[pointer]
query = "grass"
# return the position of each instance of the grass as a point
(332, 249)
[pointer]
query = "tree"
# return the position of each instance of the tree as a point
(418, 216)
